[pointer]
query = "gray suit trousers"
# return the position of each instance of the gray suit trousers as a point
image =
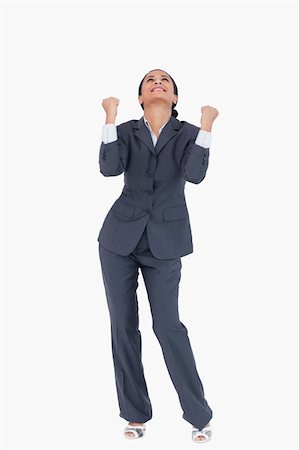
(161, 278)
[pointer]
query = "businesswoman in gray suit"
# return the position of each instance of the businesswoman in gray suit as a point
(148, 227)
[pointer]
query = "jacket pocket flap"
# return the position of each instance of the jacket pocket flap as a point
(175, 212)
(124, 208)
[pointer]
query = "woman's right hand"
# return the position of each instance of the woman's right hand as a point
(110, 105)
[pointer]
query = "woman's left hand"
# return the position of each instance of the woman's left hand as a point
(208, 116)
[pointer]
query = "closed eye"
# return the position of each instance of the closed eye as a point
(164, 78)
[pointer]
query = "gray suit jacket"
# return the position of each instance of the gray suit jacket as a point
(154, 182)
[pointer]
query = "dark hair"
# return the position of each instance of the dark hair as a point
(175, 89)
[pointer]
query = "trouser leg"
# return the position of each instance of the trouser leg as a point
(120, 277)
(162, 279)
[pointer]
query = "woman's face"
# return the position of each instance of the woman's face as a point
(157, 86)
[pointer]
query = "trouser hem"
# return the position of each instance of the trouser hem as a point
(135, 419)
(198, 424)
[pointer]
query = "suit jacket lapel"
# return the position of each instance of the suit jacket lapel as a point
(168, 132)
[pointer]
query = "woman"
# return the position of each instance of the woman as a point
(148, 227)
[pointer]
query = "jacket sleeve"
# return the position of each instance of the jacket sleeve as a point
(113, 155)
(195, 161)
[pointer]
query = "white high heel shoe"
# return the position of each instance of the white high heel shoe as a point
(138, 431)
(206, 432)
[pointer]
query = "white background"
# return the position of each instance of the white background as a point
(238, 288)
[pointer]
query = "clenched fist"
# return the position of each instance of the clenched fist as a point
(208, 116)
(110, 105)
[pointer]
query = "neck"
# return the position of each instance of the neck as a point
(157, 116)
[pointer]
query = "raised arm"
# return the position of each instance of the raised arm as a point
(195, 160)
(113, 150)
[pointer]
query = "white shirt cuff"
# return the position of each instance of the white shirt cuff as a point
(204, 138)
(109, 133)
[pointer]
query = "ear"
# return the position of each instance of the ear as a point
(140, 99)
(175, 100)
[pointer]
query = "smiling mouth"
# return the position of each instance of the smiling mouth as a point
(158, 89)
